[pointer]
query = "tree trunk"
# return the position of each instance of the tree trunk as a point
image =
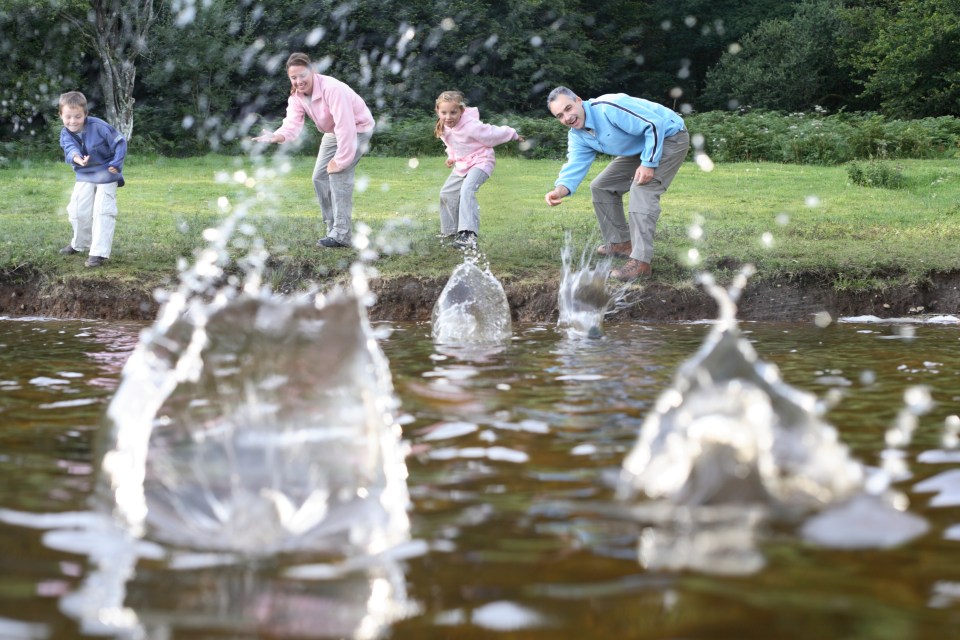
(118, 30)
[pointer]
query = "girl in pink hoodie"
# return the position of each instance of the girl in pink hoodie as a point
(470, 146)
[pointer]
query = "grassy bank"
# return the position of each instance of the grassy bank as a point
(792, 221)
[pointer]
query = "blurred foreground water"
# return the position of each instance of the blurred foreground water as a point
(514, 456)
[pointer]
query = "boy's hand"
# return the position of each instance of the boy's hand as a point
(112, 170)
(81, 160)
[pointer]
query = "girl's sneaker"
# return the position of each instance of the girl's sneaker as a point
(466, 240)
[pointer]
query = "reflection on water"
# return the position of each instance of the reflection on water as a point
(511, 456)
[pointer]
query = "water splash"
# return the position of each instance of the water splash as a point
(583, 299)
(268, 420)
(731, 445)
(472, 309)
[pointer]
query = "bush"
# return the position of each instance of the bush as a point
(876, 174)
(817, 138)
(413, 136)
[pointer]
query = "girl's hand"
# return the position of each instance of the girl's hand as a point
(81, 160)
(450, 163)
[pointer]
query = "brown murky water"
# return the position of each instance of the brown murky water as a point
(511, 452)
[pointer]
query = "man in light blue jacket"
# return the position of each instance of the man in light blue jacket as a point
(650, 143)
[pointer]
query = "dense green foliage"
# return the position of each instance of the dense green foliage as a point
(213, 70)
(815, 138)
(751, 136)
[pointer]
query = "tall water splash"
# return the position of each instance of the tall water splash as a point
(731, 445)
(255, 423)
(472, 309)
(583, 299)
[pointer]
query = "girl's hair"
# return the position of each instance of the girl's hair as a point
(298, 59)
(448, 96)
(72, 99)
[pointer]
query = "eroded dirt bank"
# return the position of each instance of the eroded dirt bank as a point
(413, 299)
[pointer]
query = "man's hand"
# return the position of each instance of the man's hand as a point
(556, 196)
(643, 175)
(112, 170)
(333, 167)
(81, 160)
(450, 163)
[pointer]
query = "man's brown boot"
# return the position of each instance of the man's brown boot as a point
(631, 270)
(622, 249)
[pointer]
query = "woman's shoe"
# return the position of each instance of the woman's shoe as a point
(330, 243)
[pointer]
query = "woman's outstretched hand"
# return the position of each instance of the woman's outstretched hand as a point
(268, 137)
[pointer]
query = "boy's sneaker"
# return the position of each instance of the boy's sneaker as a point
(95, 261)
(68, 250)
(466, 240)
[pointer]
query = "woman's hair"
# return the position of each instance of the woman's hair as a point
(72, 99)
(448, 96)
(298, 59)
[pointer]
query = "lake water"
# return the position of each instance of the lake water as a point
(511, 455)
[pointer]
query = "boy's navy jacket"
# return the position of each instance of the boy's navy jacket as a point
(105, 146)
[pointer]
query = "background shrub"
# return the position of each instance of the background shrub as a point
(876, 174)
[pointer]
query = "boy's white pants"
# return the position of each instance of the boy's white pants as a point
(93, 215)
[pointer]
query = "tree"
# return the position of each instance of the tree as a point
(37, 68)
(789, 64)
(909, 64)
(117, 31)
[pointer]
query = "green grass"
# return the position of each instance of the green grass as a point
(820, 225)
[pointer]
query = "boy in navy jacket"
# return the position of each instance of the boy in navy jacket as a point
(96, 151)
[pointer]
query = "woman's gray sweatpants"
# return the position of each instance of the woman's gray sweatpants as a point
(459, 209)
(609, 187)
(335, 190)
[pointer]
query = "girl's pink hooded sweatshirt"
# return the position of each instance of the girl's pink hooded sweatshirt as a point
(470, 142)
(335, 108)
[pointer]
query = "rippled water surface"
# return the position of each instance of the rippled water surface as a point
(512, 452)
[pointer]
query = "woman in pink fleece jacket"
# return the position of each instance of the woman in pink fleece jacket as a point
(470, 146)
(347, 126)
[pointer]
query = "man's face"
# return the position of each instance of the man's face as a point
(568, 110)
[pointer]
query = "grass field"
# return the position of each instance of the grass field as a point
(791, 221)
